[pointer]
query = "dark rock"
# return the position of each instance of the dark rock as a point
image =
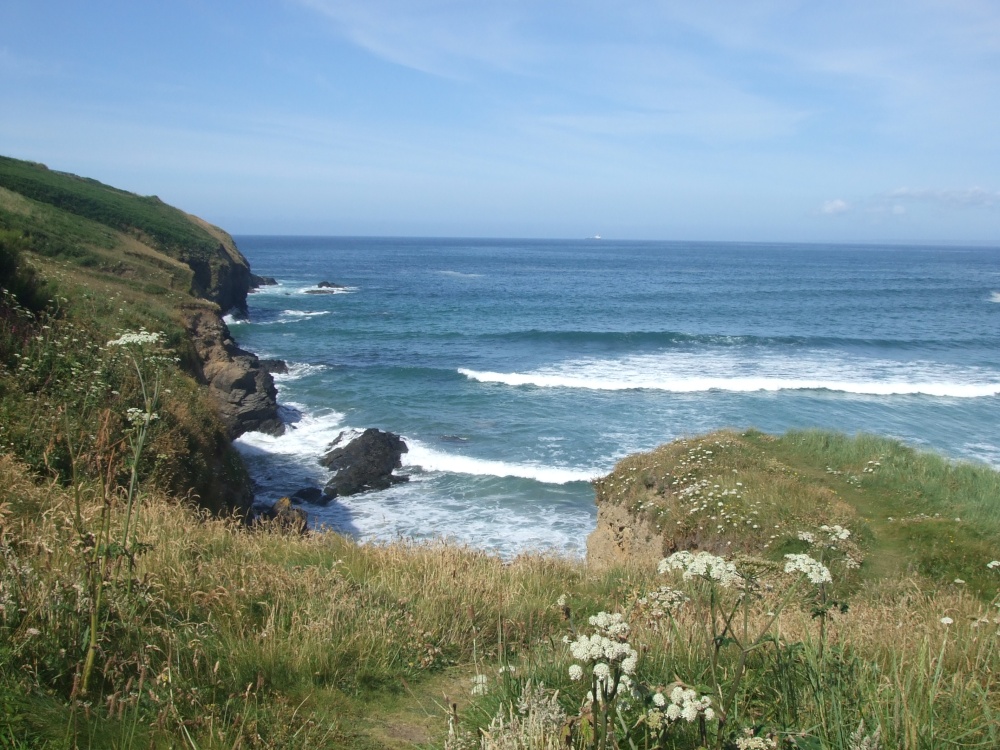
(243, 389)
(326, 287)
(312, 495)
(275, 366)
(221, 275)
(256, 282)
(365, 463)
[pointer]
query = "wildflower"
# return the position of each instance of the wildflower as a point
(749, 742)
(561, 601)
(32, 632)
(659, 699)
(575, 672)
(946, 621)
(479, 685)
(704, 565)
(815, 571)
(142, 336)
(993, 564)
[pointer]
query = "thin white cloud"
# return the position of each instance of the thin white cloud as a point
(975, 197)
(835, 207)
(438, 37)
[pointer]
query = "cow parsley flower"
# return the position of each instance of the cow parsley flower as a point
(575, 672)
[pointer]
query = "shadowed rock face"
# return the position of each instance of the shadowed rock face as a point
(243, 389)
(365, 463)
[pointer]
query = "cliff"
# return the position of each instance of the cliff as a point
(106, 260)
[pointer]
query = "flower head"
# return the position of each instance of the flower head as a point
(815, 571)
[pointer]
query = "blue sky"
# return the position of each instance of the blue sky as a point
(725, 120)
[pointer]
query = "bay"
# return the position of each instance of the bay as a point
(516, 370)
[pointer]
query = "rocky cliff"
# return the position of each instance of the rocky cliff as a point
(124, 262)
(242, 388)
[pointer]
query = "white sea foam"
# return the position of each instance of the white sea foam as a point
(232, 320)
(429, 459)
(424, 508)
(995, 297)
(297, 316)
(460, 275)
(297, 370)
(688, 372)
(313, 288)
(307, 436)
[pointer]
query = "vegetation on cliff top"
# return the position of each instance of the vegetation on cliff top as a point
(840, 592)
(81, 263)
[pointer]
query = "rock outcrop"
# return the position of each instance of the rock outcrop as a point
(364, 463)
(243, 389)
(221, 276)
(620, 538)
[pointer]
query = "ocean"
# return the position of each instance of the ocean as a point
(517, 370)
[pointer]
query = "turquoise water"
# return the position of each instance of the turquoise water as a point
(518, 369)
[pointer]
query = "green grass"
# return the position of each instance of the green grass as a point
(167, 228)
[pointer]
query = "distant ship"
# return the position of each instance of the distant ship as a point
(596, 237)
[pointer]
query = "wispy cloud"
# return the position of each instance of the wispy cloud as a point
(438, 37)
(975, 197)
(835, 207)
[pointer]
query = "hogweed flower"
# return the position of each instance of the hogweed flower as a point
(702, 565)
(815, 571)
(140, 337)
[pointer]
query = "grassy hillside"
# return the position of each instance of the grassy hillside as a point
(211, 636)
(81, 264)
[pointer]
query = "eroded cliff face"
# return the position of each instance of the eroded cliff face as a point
(222, 276)
(621, 537)
(242, 388)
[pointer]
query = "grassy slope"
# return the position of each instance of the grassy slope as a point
(109, 261)
(912, 512)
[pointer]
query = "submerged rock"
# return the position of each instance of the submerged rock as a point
(275, 366)
(326, 287)
(312, 495)
(364, 463)
(258, 281)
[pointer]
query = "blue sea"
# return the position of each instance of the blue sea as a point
(517, 370)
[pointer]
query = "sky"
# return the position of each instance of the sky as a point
(736, 120)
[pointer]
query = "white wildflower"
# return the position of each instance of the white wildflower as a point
(575, 672)
(993, 564)
(702, 565)
(946, 621)
(659, 699)
(140, 337)
(479, 685)
(815, 571)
